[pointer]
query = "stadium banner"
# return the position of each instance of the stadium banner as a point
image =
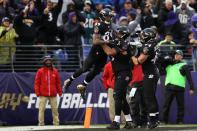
(15, 111)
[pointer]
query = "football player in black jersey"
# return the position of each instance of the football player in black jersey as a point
(97, 58)
(120, 54)
(151, 75)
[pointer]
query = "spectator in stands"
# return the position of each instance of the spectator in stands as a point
(22, 3)
(163, 14)
(194, 25)
(185, 13)
(48, 28)
(89, 15)
(147, 19)
(117, 5)
(64, 8)
(173, 25)
(108, 82)
(7, 41)
(177, 71)
(134, 24)
(127, 7)
(71, 8)
(73, 30)
(123, 21)
(47, 86)
(32, 10)
(5, 10)
(26, 28)
(167, 45)
(79, 4)
(98, 8)
(192, 39)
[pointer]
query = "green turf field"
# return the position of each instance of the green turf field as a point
(184, 127)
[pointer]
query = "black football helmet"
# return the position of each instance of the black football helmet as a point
(122, 34)
(147, 35)
(106, 15)
(123, 31)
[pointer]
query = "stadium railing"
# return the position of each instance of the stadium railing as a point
(28, 58)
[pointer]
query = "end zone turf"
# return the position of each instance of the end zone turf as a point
(184, 127)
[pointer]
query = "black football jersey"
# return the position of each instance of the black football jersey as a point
(149, 65)
(121, 62)
(104, 30)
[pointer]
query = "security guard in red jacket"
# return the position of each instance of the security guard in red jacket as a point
(47, 86)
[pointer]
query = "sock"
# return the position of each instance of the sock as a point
(72, 78)
(128, 117)
(117, 119)
(85, 83)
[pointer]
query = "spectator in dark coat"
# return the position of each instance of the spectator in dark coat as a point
(48, 30)
(71, 8)
(173, 25)
(33, 11)
(26, 27)
(127, 7)
(5, 10)
(147, 19)
(163, 14)
(73, 31)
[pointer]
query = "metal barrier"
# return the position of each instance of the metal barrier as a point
(28, 58)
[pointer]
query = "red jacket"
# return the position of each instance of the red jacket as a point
(137, 74)
(47, 82)
(108, 76)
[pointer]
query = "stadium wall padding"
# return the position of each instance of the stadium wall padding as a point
(14, 111)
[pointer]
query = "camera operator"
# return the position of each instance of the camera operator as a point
(177, 71)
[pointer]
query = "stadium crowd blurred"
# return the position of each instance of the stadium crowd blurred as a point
(71, 22)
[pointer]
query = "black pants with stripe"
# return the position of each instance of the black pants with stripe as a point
(137, 105)
(149, 86)
(122, 80)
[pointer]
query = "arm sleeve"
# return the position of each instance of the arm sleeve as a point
(59, 89)
(58, 7)
(3, 33)
(185, 71)
(37, 83)
(134, 24)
